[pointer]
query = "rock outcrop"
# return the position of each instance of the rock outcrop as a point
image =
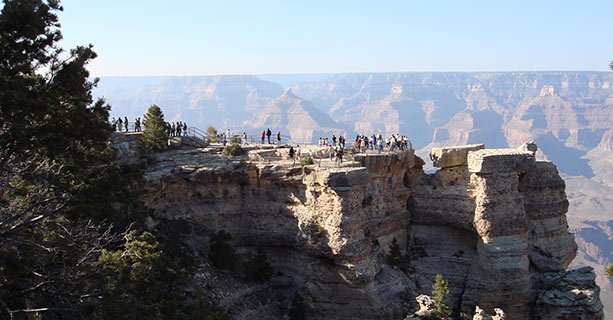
(569, 295)
(491, 221)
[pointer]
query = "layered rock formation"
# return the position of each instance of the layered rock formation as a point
(491, 221)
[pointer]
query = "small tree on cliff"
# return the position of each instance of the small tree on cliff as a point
(257, 268)
(440, 289)
(154, 136)
(609, 270)
(221, 253)
(395, 252)
(211, 134)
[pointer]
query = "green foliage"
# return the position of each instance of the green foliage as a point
(154, 138)
(257, 268)
(142, 281)
(136, 265)
(396, 258)
(306, 160)
(395, 253)
(297, 310)
(609, 270)
(318, 231)
(220, 252)
(211, 134)
(440, 289)
(232, 150)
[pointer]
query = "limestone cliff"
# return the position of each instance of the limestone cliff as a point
(491, 221)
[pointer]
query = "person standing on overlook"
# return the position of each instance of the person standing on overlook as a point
(263, 135)
(125, 123)
(268, 134)
(279, 138)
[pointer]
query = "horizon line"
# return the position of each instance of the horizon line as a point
(337, 73)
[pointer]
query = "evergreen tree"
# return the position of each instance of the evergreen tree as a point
(395, 253)
(211, 134)
(257, 268)
(221, 253)
(609, 270)
(154, 136)
(440, 289)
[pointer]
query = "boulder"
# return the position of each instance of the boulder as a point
(453, 156)
(499, 160)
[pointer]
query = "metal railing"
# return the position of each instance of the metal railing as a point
(191, 131)
(197, 133)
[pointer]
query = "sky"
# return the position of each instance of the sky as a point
(197, 37)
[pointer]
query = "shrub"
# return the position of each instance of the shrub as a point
(221, 254)
(306, 160)
(232, 150)
(609, 270)
(211, 134)
(257, 268)
(318, 231)
(440, 289)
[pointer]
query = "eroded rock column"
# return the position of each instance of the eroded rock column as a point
(499, 278)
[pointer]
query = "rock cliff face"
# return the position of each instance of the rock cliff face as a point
(491, 221)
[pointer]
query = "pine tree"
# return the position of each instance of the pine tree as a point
(221, 253)
(257, 268)
(154, 138)
(211, 134)
(440, 289)
(395, 252)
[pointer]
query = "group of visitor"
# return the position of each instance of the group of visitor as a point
(324, 141)
(123, 124)
(173, 129)
(267, 134)
(378, 142)
(176, 129)
(363, 143)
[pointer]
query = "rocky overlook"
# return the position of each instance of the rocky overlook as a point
(493, 222)
(569, 114)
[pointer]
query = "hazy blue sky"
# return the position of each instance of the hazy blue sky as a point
(192, 37)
